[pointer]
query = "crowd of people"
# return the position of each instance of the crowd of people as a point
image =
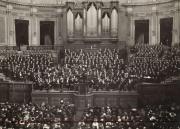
(25, 67)
(144, 50)
(155, 63)
(162, 116)
(32, 116)
(101, 69)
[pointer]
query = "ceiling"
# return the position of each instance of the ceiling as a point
(47, 2)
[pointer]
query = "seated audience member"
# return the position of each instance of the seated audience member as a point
(162, 116)
(31, 116)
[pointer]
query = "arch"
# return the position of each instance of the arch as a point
(70, 23)
(78, 23)
(105, 23)
(114, 22)
(92, 20)
(90, 4)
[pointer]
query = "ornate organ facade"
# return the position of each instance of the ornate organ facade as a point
(92, 20)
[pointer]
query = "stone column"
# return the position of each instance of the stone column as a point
(177, 23)
(99, 21)
(84, 21)
(7, 28)
(34, 28)
(132, 33)
(10, 26)
(59, 22)
(34, 32)
(176, 28)
(154, 26)
(132, 26)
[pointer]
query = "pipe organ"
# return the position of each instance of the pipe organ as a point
(92, 19)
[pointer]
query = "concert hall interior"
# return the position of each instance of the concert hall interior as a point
(89, 64)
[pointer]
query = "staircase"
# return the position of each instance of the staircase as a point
(78, 115)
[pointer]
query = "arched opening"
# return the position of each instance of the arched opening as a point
(70, 23)
(114, 22)
(78, 24)
(92, 20)
(105, 24)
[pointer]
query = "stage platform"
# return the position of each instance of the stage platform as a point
(95, 98)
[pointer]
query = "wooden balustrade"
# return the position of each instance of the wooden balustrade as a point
(19, 92)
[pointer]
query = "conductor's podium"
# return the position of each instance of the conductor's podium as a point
(82, 101)
(82, 88)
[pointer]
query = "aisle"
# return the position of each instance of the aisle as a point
(78, 115)
(77, 118)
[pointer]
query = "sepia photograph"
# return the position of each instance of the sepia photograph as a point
(89, 64)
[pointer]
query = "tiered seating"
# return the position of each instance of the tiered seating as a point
(104, 68)
(153, 62)
(101, 69)
(21, 68)
(148, 50)
(150, 117)
(31, 116)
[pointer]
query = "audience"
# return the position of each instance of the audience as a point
(31, 116)
(162, 116)
(155, 63)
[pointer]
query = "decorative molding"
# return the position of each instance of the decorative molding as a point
(169, 12)
(149, 3)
